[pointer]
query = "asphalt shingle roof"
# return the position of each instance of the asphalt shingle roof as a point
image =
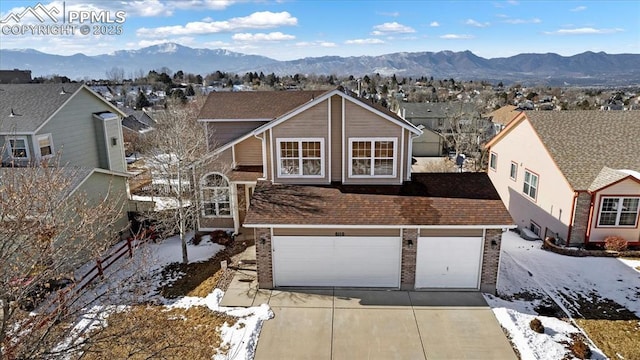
(504, 115)
(582, 142)
(32, 104)
(427, 200)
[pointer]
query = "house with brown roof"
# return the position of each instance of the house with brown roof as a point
(502, 116)
(571, 175)
(323, 180)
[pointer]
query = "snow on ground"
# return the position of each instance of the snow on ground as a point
(148, 261)
(161, 203)
(540, 277)
(242, 337)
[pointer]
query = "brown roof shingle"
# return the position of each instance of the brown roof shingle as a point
(504, 115)
(415, 203)
(583, 142)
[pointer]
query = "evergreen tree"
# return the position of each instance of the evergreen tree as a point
(142, 101)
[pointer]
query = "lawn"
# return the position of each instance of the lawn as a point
(597, 299)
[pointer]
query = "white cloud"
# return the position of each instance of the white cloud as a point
(364, 42)
(274, 36)
(583, 31)
(151, 8)
(456, 36)
(476, 23)
(257, 20)
(391, 28)
(391, 14)
(523, 21)
(579, 8)
(434, 24)
(326, 44)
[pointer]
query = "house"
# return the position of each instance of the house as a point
(502, 116)
(323, 179)
(69, 124)
(15, 76)
(428, 144)
(571, 175)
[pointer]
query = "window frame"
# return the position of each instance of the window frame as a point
(204, 201)
(525, 183)
(513, 175)
(50, 139)
(493, 165)
(618, 211)
(532, 225)
(300, 158)
(10, 148)
(372, 141)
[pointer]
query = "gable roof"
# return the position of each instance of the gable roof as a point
(504, 114)
(34, 104)
(609, 176)
(255, 105)
(582, 142)
(428, 200)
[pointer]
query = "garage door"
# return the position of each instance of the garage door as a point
(336, 261)
(448, 262)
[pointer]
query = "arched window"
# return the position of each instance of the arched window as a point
(216, 196)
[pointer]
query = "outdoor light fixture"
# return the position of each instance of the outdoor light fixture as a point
(262, 241)
(494, 244)
(410, 243)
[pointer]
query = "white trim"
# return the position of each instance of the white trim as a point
(233, 193)
(329, 147)
(8, 140)
(328, 95)
(83, 87)
(410, 156)
(401, 165)
(264, 153)
(273, 175)
(484, 243)
(233, 156)
(344, 140)
(202, 199)
(234, 120)
(106, 141)
(36, 143)
(206, 136)
(419, 227)
(373, 140)
(299, 141)
(17, 133)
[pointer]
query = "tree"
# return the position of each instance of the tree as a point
(142, 101)
(189, 91)
(47, 232)
(115, 75)
(173, 149)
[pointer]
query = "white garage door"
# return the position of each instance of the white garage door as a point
(336, 261)
(448, 262)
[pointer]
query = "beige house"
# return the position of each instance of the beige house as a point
(324, 181)
(572, 175)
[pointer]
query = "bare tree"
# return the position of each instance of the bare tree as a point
(47, 230)
(115, 75)
(465, 130)
(173, 150)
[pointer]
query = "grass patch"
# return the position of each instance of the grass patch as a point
(146, 332)
(614, 336)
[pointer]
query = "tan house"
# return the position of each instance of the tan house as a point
(572, 175)
(324, 180)
(502, 116)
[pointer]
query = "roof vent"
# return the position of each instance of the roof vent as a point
(13, 114)
(63, 92)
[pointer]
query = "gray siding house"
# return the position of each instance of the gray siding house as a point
(69, 124)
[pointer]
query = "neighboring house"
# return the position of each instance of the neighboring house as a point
(324, 180)
(502, 116)
(67, 123)
(15, 76)
(571, 175)
(428, 144)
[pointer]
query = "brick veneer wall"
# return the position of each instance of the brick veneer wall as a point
(408, 268)
(490, 261)
(263, 258)
(580, 219)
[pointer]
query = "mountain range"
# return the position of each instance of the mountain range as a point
(586, 69)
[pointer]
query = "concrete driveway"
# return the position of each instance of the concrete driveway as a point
(376, 324)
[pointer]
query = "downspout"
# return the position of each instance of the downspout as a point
(571, 219)
(588, 231)
(264, 155)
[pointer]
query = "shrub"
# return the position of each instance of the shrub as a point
(579, 349)
(536, 325)
(615, 243)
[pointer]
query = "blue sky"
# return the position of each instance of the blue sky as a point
(287, 30)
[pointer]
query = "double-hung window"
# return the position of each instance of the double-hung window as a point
(530, 187)
(300, 157)
(45, 144)
(493, 161)
(372, 157)
(619, 211)
(513, 172)
(18, 147)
